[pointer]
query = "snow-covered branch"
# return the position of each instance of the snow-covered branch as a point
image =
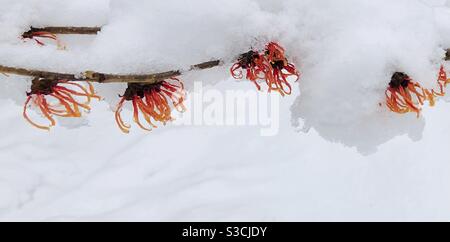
(104, 77)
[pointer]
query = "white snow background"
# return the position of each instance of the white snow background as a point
(354, 160)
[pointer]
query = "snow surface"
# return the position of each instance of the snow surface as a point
(354, 160)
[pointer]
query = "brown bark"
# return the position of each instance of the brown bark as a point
(63, 30)
(104, 77)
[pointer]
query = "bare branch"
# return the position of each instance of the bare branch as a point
(35, 73)
(63, 30)
(104, 77)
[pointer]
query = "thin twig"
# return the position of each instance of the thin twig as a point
(63, 30)
(104, 77)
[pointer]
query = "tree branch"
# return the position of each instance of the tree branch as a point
(104, 77)
(64, 30)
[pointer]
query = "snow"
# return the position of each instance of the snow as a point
(338, 154)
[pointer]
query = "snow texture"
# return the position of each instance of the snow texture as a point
(354, 160)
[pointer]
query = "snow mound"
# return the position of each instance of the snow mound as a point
(346, 50)
(348, 64)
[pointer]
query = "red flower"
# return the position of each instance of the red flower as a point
(65, 93)
(152, 101)
(255, 65)
(271, 66)
(280, 70)
(442, 81)
(404, 95)
(37, 35)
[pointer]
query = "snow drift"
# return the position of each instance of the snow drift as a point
(346, 50)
